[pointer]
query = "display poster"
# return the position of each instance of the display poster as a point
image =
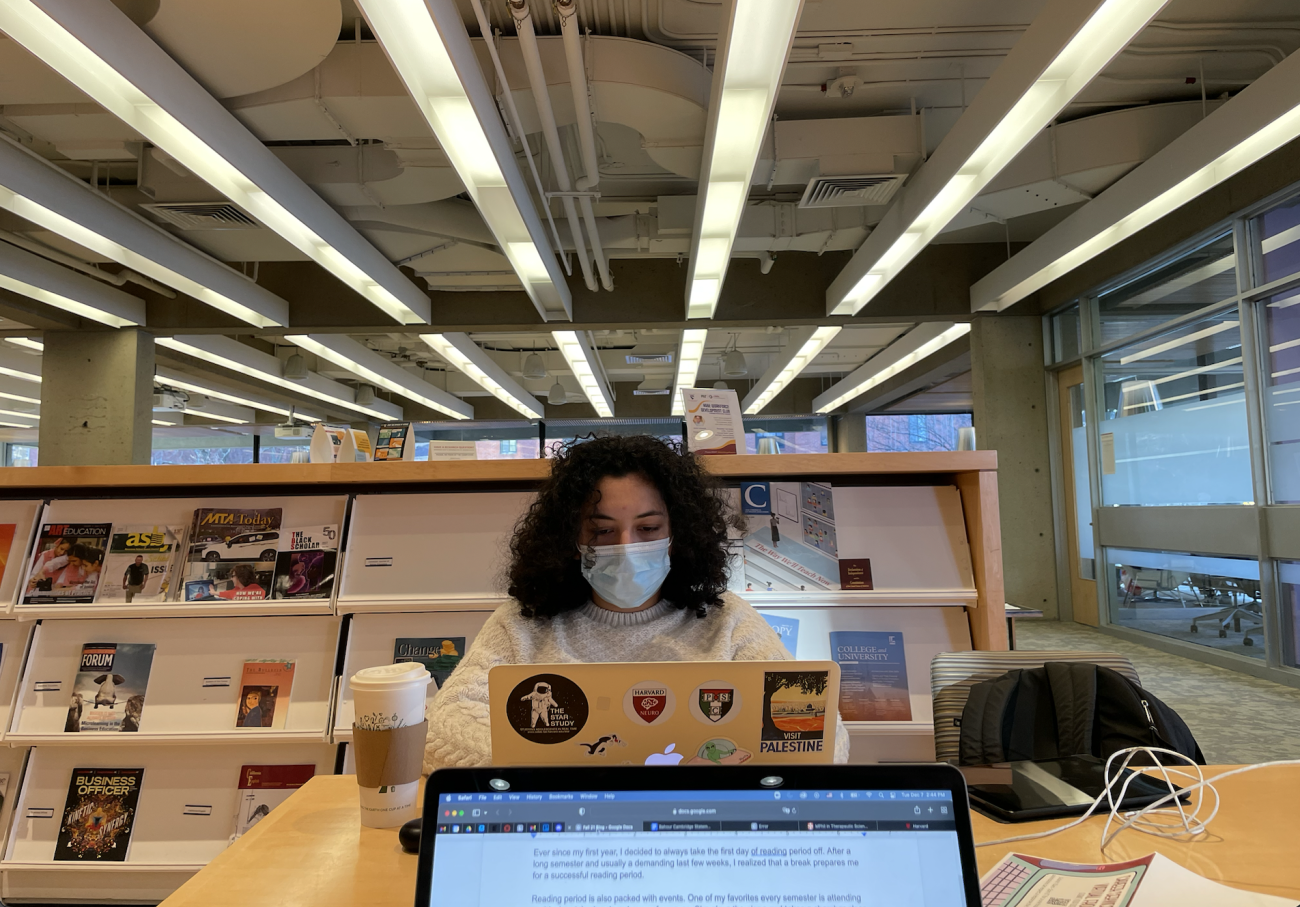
(67, 564)
(791, 542)
(873, 676)
(264, 787)
(109, 689)
(713, 421)
(788, 629)
(453, 450)
(141, 564)
(7, 531)
(305, 562)
(99, 815)
(438, 654)
(394, 441)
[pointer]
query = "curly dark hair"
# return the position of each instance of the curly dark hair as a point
(545, 575)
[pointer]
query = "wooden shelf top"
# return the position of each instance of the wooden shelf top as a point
(404, 473)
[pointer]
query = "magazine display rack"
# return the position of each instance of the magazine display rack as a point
(185, 816)
(370, 640)
(193, 692)
(422, 554)
(301, 510)
(22, 516)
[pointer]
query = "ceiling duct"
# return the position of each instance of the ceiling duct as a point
(203, 215)
(850, 191)
(650, 356)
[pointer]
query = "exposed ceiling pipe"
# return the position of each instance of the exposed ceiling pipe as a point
(516, 124)
(537, 81)
(568, 13)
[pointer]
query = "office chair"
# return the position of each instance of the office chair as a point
(1251, 611)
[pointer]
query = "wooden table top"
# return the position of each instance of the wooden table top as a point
(312, 850)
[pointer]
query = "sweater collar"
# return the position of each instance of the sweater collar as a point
(609, 618)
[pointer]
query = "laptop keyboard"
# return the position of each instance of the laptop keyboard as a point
(997, 888)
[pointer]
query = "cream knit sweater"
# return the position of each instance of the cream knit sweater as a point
(459, 727)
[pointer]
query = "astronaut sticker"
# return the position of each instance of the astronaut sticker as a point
(547, 708)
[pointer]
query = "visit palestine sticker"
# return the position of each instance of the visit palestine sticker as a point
(715, 702)
(649, 702)
(794, 711)
(547, 708)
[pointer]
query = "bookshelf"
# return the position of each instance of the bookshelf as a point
(442, 527)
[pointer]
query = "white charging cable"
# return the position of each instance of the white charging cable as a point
(1174, 822)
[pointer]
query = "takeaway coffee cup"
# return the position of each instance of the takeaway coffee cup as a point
(388, 736)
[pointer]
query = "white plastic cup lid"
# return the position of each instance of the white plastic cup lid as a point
(391, 677)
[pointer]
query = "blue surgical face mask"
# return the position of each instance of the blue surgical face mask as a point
(626, 575)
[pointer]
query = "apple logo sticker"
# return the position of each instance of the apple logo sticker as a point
(667, 757)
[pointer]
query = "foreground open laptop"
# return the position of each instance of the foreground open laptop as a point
(664, 713)
(786, 836)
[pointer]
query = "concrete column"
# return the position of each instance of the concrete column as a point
(850, 433)
(1011, 417)
(97, 398)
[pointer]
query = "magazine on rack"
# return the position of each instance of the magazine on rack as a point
(439, 654)
(109, 689)
(264, 787)
(7, 532)
(99, 815)
(264, 692)
(305, 563)
(142, 563)
(232, 554)
(67, 564)
(873, 676)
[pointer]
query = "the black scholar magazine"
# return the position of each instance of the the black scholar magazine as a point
(99, 814)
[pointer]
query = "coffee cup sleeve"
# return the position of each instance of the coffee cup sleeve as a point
(389, 757)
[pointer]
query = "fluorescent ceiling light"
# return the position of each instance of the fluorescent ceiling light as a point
(1204, 369)
(239, 357)
(22, 366)
(211, 412)
(382, 372)
(914, 346)
(15, 425)
(1261, 119)
(169, 378)
(40, 192)
(804, 346)
(19, 414)
(1179, 341)
(1064, 49)
(38, 278)
(16, 390)
(468, 358)
(98, 49)
(430, 49)
(576, 349)
(688, 365)
(746, 78)
(27, 343)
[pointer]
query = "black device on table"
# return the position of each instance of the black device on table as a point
(539, 835)
(1054, 788)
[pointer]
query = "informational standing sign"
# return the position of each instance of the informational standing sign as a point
(453, 450)
(713, 421)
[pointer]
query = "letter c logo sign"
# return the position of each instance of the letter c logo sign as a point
(755, 497)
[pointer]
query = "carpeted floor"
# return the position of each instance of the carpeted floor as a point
(1236, 718)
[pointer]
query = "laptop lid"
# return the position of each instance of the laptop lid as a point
(781, 835)
(664, 713)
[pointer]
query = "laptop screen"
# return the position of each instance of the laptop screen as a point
(787, 848)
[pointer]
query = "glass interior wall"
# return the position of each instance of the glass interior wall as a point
(1282, 394)
(1288, 574)
(1173, 430)
(1279, 236)
(916, 432)
(492, 440)
(782, 436)
(1199, 278)
(1066, 340)
(1209, 601)
(565, 431)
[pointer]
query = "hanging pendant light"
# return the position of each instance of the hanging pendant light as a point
(534, 366)
(557, 395)
(720, 386)
(295, 368)
(733, 364)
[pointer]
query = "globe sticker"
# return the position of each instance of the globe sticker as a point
(715, 702)
(547, 708)
(649, 702)
(719, 751)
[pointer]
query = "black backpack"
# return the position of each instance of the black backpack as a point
(1066, 709)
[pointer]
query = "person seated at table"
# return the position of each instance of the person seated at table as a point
(622, 557)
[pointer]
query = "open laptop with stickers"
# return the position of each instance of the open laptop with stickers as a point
(779, 835)
(664, 713)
